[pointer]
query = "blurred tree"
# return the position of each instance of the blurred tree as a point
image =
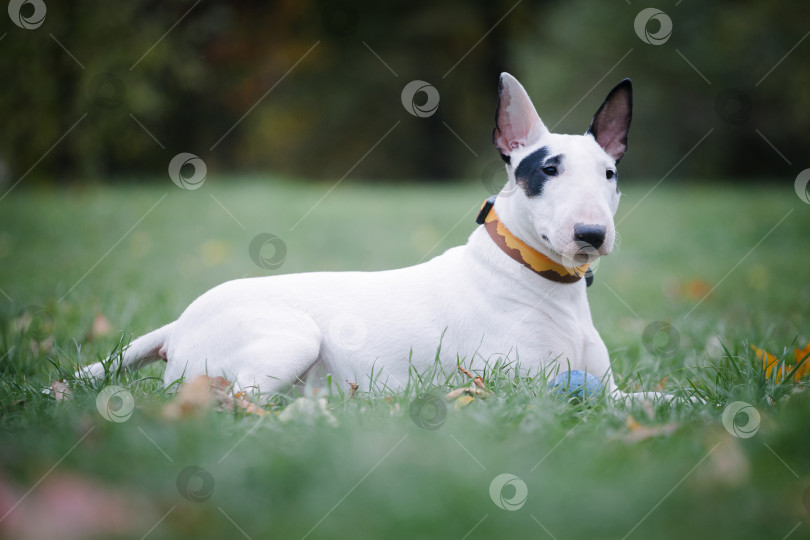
(309, 87)
(713, 73)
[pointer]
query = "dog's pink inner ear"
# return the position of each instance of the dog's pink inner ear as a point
(517, 123)
(611, 122)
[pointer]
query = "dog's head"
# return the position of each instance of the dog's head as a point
(563, 190)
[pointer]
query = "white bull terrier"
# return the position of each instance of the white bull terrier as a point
(515, 290)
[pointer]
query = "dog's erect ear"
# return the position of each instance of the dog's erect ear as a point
(516, 121)
(611, 122)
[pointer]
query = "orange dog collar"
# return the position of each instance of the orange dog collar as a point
(524, 254)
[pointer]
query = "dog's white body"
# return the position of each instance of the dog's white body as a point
(268, 332)
(474, 301)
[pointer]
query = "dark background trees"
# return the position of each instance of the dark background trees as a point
(307, 88)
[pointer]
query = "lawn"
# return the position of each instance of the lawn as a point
(709, 264)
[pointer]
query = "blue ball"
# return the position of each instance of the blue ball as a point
(576, 383)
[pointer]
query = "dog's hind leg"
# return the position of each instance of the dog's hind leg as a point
(258, 348)
(273, 363)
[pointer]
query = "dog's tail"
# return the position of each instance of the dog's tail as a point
(141, 352)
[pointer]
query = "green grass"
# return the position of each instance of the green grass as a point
(377, 474)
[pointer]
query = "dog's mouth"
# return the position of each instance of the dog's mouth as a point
(582, 255)
(576, 252)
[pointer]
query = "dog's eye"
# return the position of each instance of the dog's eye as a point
(609, 174)
(550, 171)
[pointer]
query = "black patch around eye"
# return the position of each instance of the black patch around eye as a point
(529, 173)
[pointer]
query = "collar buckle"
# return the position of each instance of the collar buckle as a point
(485, 208)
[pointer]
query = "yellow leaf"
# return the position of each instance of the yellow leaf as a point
(639, 432)
(463, 401)
(801, 354)
(769, 362)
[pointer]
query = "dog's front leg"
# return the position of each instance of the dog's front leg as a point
(597, 362)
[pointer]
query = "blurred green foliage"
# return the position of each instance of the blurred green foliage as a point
(309, 87)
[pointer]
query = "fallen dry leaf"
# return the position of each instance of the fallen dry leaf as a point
(203, 393)
(476, 379)
(470, 391)
(696, 289)
(60, 391)
(463, 401)
(465, 371)
(771, 363)
(100, 328)
(803, 356)
(639, 432)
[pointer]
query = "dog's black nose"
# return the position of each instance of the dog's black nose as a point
(590, 234)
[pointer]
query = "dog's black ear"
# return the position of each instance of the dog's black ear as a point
(611, 122)
(517, 123)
